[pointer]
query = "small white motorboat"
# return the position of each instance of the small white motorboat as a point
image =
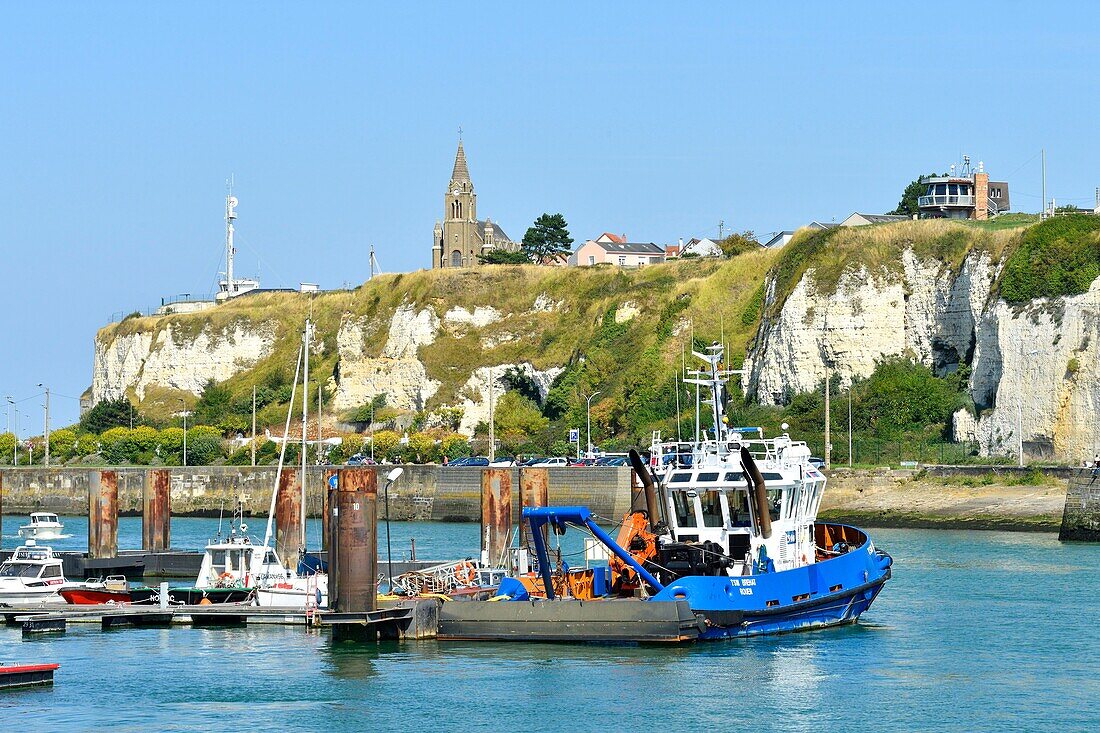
(32, 574)
(43, 526)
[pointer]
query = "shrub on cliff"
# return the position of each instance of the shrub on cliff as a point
(108, 414)
(1060, 256)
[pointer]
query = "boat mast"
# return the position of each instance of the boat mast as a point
(305, 422)
(282, 453)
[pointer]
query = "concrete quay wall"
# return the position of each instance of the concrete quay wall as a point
(437, 493)
(1081, 516)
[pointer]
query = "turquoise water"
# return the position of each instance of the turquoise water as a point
(977, 631)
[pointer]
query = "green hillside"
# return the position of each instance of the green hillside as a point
(632, 363)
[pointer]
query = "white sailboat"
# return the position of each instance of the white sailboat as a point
(294, 590)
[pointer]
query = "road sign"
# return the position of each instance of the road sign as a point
(574, 435)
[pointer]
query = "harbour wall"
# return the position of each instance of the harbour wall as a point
(439, 493)
(1081, 516)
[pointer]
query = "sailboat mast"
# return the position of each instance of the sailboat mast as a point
(230, 216)
(305, 422)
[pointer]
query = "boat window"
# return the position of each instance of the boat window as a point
(685, 509)
(708, 476)
(18, 570)
(775, 497)
(739, 509)
(217, 558)
(679, 478)
(51, 571)
(711, 502)
(773, 476)
(270, 559)
(734, 476)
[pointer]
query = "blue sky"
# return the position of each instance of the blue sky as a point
(119, 124)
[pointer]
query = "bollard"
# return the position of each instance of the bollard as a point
(156, 511)
(496, 515)
(534, 491)
(162, 596)
(353, 557)
(288, 518)
(103, 514)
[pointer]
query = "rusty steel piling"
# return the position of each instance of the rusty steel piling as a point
(103, 514)
(156, 513)
(353, 556)
(496, 514)
(288, 517)
(534, 491)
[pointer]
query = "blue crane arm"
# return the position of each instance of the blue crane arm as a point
(559, 517)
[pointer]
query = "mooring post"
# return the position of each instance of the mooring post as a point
(330, 482)
(496, 515)
(353, 557)
(156, 510)
(288, 517)
(534, 491)
(103, 514)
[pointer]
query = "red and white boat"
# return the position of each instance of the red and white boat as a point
(115, 589)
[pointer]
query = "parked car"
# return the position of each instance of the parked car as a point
(818, 463)
(583, 462)
(361, 460)
(612, 461)
(531, 461)
(476, 461)
(552, 461)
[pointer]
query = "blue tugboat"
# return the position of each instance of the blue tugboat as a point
(727, 546)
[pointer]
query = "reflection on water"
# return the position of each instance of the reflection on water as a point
(957, 645)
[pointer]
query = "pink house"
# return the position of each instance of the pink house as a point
(613, 249)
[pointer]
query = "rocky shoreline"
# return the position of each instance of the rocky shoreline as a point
(885, 498)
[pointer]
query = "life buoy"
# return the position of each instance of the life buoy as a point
(465, 573)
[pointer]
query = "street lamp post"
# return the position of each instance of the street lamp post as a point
(185, 411)
(588, 413)
(15, 409)
(390, 478)
(849, 426)
(47, 425)
(1020, 416)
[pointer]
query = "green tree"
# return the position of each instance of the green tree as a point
(517, 419)
(109, 414)
(117, 446)
(908, 204)
(422, 448)
(386, 444)
(504, 257)
(548, 239)
(454, 446)
(7, 447)
(739, 243)
(62, 444)
(214, 405)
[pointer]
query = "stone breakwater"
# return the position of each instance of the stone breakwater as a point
(423, 492)
(1081, 518)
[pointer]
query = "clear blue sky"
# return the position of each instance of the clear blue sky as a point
(119, 124)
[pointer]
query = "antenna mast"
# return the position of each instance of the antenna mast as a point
(230, 217)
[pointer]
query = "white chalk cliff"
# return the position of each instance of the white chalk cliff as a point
(1045, 351)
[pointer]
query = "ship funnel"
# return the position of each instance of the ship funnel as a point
(646, 478)
(763, 516)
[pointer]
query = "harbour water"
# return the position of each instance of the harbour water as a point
(977, 631)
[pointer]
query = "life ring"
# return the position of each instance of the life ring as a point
(465, 573)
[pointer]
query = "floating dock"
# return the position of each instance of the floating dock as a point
(26, 675)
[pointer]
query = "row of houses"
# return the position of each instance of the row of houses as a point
(617, 249)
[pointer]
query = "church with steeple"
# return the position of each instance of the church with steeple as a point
(461, 238)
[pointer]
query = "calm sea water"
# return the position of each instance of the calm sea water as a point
(977, 631)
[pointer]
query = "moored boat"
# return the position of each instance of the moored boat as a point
(33, 574)
(42, 526)
(729, 533)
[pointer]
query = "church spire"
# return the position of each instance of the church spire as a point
(461, 172)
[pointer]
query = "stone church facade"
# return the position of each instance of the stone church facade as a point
(461, 238)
